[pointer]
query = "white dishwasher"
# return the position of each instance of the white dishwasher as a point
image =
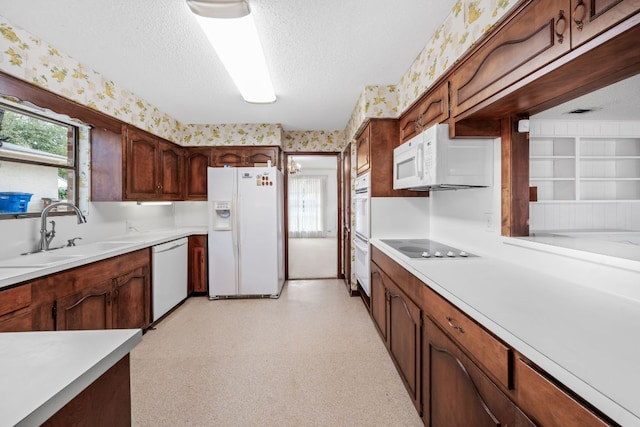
(169, 276)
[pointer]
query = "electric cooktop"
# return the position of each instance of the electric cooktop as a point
(426, 249)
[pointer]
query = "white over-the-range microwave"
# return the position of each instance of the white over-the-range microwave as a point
(433, 161)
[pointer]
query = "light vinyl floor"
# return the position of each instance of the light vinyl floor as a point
(310, 358)
(315, 258)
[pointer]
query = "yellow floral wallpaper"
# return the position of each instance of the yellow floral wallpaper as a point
(34, 60)
(467, 22)
(313, 140)
(231, 134)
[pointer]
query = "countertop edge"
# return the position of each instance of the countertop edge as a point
(587, 392)
(71, 390)
(146, 240)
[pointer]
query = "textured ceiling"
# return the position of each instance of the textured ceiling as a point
(320, 54)
(619, 101)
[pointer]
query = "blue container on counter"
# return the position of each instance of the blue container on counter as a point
(13, 202)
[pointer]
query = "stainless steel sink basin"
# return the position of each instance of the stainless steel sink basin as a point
(38, 260)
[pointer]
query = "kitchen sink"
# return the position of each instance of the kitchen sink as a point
(38, 260)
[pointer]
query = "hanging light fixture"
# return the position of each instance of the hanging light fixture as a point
(293, 167)
(229, 26)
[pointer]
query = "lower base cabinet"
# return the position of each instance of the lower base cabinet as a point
(456, 392)
(105, 402)
(197, 265)
(456, 372)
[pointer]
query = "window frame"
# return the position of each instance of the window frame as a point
(75, 166)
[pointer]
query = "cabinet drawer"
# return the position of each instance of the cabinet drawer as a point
(549, 405)
(19, 321)
(15, 298)
(487, 350)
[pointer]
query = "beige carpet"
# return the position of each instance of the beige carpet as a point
(313, 258)
(310, 358)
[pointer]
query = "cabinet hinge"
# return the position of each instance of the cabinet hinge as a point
(54, 312)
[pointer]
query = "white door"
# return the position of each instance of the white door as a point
(258, 231)
(223, 258)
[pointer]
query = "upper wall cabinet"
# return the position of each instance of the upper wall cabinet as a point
(196, 163)
(432, 108)
(246, 156)
(134, 165)
(154, 167)
(591, 17)
(536, 36)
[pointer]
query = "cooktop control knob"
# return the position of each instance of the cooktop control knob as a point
(426, 254)
(463, 253)
(450, 254)
(438, 254)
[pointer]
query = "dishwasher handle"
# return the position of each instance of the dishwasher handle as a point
(171, 248)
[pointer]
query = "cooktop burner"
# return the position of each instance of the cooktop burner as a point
(426, 249)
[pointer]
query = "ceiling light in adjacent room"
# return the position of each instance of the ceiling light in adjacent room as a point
(230, 28)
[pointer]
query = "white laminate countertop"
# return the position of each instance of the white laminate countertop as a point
(91, 252)
(42, 371)
(586, 338)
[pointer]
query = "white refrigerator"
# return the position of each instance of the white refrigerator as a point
(246, 232)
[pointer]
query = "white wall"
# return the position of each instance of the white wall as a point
(470, 220)
(27, 178)
(104, 220)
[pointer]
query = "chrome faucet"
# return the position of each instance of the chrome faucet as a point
(47, 236)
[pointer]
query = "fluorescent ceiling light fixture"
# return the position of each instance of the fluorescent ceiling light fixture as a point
(235, 40)
(154, 203)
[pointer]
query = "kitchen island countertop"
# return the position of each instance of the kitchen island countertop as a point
(584, 337)
(42, 371)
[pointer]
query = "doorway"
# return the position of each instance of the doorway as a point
(312, 215)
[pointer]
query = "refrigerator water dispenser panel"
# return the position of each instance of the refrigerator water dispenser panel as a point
(222, 215)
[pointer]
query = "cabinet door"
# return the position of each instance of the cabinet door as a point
(261, 155)
(170, 171)
(536, 36)
(228, 156)
(404, 340)
(197, 162)
(131, 302)
(19, 321)
(591, 17)
(456, 392)
(197, 264)
(379, 300)
(432, 108)
(142, 181)
(89, 309)
(362, 152)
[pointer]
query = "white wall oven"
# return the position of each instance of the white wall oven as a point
(362, 213)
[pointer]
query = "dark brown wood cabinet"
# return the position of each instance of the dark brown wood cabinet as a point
(113, 293)
(154, 168)
(455, 371)
(456, 391)
(196, 163)
(536, 36)
(131, 299)
(197, 265)
(88, 309)
(15, 312)
(375, 146)
(246, 156)
(592, 17)
(363, 151)
(431, 108)
(398, 320)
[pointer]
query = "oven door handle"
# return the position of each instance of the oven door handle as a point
(359, 244)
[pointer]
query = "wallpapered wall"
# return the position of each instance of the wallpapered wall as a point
(34, 60)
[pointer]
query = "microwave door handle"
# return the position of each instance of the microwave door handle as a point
(420, 161)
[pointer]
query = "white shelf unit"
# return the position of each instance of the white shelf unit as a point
(582, 167)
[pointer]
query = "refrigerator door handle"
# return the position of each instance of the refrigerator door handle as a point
(236, 234)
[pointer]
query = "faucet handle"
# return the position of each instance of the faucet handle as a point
(72, 242)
